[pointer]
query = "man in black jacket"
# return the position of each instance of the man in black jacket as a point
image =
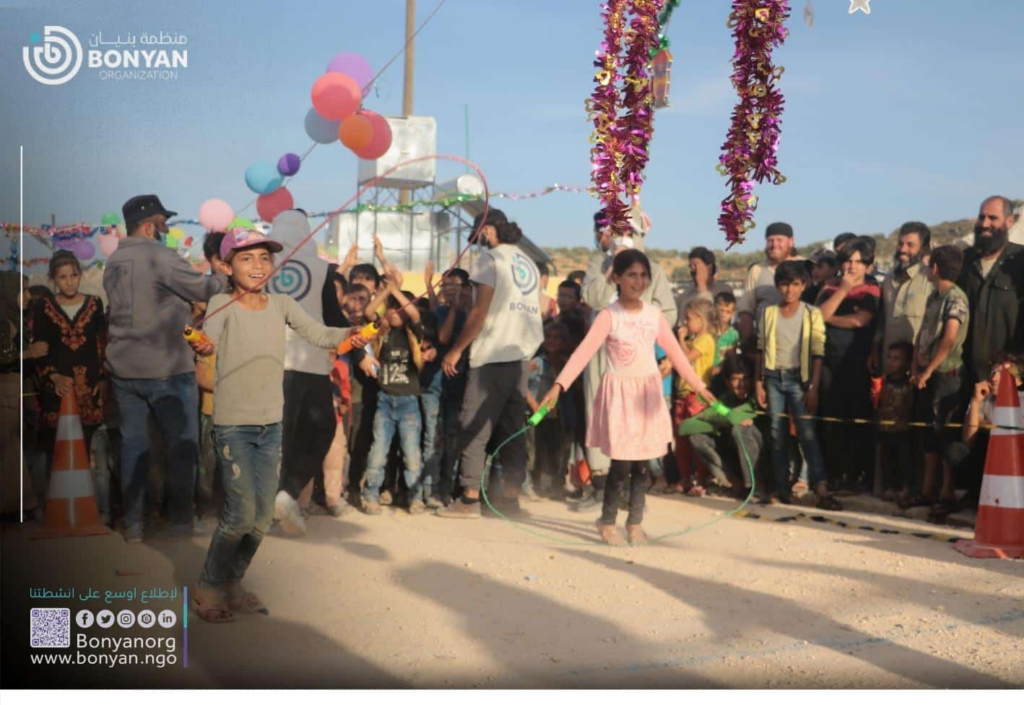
(993, 279)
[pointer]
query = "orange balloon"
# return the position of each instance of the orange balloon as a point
(356, 132)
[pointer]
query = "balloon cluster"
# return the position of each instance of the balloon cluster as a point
(749, 152)
(620, 154)
(337, 114)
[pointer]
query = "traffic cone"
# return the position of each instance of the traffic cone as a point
(580, 476)
(999, 530)
(71, 508)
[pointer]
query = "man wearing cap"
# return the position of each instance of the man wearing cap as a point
(598, 293)
(502, 333)
(150, 290)
(760, 287)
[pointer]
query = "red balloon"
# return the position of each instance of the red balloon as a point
(270, 204)
(336, 96)
(381, 141)
(356, 132)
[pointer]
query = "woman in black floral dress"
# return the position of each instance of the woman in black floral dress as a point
(75, 330)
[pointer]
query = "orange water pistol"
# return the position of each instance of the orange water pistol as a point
(195, 336)
(369, 331)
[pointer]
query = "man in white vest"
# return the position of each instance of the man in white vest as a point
(309, 424)
(503, 331)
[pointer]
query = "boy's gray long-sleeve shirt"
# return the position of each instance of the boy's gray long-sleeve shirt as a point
(150, 290)
(250, 357)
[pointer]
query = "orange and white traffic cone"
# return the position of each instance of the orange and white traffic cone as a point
(71, 508)
(999, 530)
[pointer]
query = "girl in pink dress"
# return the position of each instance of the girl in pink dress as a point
(630, 422)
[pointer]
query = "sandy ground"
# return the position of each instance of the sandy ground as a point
(400, 601)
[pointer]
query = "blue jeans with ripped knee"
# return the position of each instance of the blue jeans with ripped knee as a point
(251, 460)
(400, 414)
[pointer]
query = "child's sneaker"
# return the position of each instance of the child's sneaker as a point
(371, 507)
(433, 503)
(417, 507)
(286, 511)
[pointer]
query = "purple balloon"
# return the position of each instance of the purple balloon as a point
(289, 164)
(355, 66)
(83, 249)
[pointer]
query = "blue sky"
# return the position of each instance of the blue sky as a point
(911, 113)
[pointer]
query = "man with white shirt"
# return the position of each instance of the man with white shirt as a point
(502, 333)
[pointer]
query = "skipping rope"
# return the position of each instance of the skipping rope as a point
(536, 419)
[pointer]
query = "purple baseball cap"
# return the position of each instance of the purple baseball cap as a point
(243, 239)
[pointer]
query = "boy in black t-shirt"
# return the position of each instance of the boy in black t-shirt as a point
(398, 406)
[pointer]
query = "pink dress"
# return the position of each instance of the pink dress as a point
(629, 420)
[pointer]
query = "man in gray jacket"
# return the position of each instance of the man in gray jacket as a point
(150, 290)
(598, 290)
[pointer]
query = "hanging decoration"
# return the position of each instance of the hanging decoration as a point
(662, 75)
(664, 17)
(749, 152)
(620, 152)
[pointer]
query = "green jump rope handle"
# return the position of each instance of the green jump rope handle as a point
(538, 415)
(718, 407)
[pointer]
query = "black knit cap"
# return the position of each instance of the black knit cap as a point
(779, 229)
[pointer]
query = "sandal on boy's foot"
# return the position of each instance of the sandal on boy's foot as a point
(460, 509)
(636, 535)
(677, 488)
(417, 507)
(214, 614)
(827, 501)
(609, 534)
(372, 508)
(385, 498)
(433, 503)
(696, 491)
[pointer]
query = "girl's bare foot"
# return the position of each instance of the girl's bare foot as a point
(636, 535)
(609, 534)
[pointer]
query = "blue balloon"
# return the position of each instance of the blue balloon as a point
(263, 177)
(319, 130)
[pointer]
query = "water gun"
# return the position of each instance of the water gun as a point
(369, 331)
(195, 336)
(539, 415)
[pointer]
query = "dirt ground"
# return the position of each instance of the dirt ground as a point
(400, 601)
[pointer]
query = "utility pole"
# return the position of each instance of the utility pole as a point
(410, 64)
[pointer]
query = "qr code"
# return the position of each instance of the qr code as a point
(51, 628)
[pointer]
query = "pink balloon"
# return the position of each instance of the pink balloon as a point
(336, 96)
(215, 215)
(381, 141)
(269, 205)
(107, 243)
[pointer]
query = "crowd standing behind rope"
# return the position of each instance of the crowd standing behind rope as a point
(407, 419)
